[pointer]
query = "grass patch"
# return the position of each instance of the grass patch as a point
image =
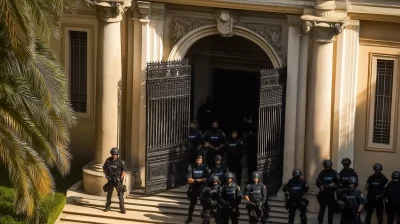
(50, 208)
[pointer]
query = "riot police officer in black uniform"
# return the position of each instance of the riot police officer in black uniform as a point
(375, 186)
(195, 142)
(197, 177)
(256, 195)
(327, 181)
(392, 196)
(214, 140)
(218, 169)
(345, 174)
(230, 197)
(234, 154)
(351, 203)
(296, 190)
(114, 169)
(209, 198)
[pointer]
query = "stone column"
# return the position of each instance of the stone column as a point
(109, 14)
(291, 96)
(319, 99)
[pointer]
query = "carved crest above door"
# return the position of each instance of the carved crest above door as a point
(225, 22)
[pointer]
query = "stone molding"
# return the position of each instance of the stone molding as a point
(271, 33)
(109, 11)
(323, 31)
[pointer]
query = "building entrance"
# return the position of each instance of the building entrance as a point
(247, 95)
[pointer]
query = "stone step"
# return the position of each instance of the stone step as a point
(73, 219)
(93, 214)
(181, 200)
(165, 209)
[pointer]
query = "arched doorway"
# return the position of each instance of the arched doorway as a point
(230, 68)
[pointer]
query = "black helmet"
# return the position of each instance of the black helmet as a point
(255, 175)
(217, 157)
(214, 178)
(114, 151)
(297, 173)
(229, 175)
(346, 161)
(352, 180)
(396, 175)
(199, 157)
(378, 166)
(327, 163)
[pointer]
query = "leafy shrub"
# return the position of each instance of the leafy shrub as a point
(50, 208)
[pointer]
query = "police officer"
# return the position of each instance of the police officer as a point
(197, 176)
(327, 181)
(256, 196)
(218, 169)
(209, 198)
(346, 173)
(392, 196)
(296, 190)
(114, 169)
(214, 140)
(195, 142)
(230, 197)
(351, 202)
(375, 186)
(234, 154)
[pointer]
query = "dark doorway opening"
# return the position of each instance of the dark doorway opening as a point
(236, 95)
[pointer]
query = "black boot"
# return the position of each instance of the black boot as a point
(190, 213)
(107, 207)
(121, 203)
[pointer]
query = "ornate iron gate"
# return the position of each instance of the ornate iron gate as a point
(168, 111)
(271, 129)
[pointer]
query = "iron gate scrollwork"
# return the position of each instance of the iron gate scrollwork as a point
(271, 129)
(167, 114)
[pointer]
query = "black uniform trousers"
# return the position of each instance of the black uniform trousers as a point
(349, 217)
(253, 215)
(293, 206)
(393, 211)
(233, 215)
(110, 189)
(235, 166)
(193, 195)
(327, 199)
(208, 213)
(374, 204)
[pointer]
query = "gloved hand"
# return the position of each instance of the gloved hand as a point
(108, 177)
(212, 203)
(341, 203)
(252, 204)
(377, 197)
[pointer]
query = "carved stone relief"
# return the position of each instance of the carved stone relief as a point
(225, 22)
(322, 31)
(183, 25)
(109, 11)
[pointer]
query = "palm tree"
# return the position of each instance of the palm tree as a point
(35, 114)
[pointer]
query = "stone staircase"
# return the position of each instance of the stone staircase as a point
(168, 207)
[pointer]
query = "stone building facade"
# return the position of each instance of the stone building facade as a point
(340, 57)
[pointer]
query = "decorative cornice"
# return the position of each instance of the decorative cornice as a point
(109, 11)
(145, 10)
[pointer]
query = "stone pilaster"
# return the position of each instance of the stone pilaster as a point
(294, 34)
(319, 95)
(108, 77)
